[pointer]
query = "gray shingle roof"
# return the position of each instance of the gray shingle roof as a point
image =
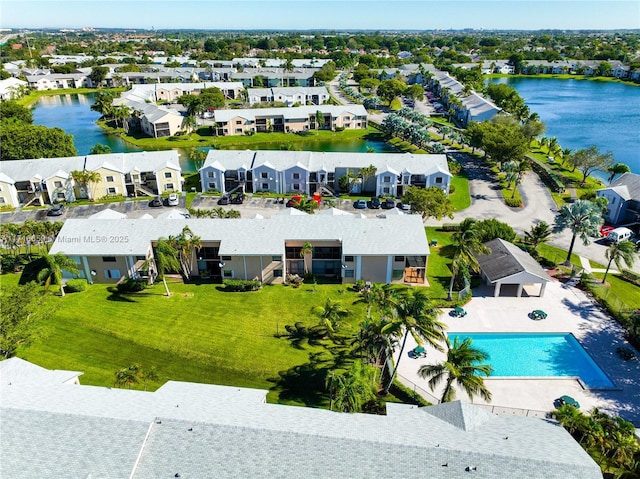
(632, 182)
(199, 430)
(506, 259)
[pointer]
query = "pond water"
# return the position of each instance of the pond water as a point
(72, 113)
(581, 113)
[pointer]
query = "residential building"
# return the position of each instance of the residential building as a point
(624, 200)
(12, 88)
(275, 77)
(289, 95)
(346, 248)
(195, 430)
(308, 172)
(289, 120)
(55, 81)
(48, 180)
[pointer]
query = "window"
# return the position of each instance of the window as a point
(109, 179)
(2, 200)
(349, 273)
(108, 259)
(141, 258)
(168, 174)
(296, 186)
(57, 184)
(397, 274)
(112, 273)
(227, 273)
(212, 186)
(386, 179)
(386, 190)
(276, 258)
(60, 195)
(210, 174)
(398, 258)
(296, 176)
(168, 187)
(348, 259)
(111, 191)
(264, 175)
(238, 130)
(238, 122)
(439, 180)
(265, 186)
(226, 258)
(277, 273)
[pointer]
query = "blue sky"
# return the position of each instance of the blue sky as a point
(326, 14)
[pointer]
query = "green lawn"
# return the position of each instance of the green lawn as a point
(199, 334)
(557, 255)
(620, 294)
(461, 198)
(438, 270)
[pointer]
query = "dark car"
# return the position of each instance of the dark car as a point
(57, 210)
(157, 201)
(360, 204)
(224, 200)
(374, 204)
(388, 204)
(237, 199)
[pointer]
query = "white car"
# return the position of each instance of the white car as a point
(173, 199)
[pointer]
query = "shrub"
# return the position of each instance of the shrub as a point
(513, 202)
(359, 285)
(450, 227)
(339, 128)
(76, 285)
(454, 166)
(588, 195)
(241, 285)
(452, 189)
(132, 285)
(491, 229)
(631, 276)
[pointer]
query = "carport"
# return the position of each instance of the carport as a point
(509, 270)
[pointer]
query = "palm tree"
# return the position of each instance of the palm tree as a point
(149, 375)
(583, 218)
(366, 173)
(331, 316)
(415, 315)
(617, 169)
(539, 234)
(52, 272)
(466, 245)
(351, 390)
(305, 253)
(371, 341)
(166, 260)
(86, 179)
(462, 366)
(618, 252)
(185, 243)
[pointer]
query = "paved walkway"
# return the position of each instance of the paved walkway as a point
(569, 311)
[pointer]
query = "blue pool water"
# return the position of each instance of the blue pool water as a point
(538, 355)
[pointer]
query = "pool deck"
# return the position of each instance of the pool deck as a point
(569, 311)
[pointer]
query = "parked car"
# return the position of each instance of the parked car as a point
(605, 230)
(57, 210)
(224, 200)
(173, 200)
(374, 204)
(360, 204)
(404, 206)
(388, 204)
(618, 235)
(237, 199)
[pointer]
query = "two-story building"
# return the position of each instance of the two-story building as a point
(289, 95)
(308, 172)
(289, 120)
(624, 200)
(49, 180)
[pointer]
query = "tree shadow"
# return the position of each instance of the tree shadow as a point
(118, 296)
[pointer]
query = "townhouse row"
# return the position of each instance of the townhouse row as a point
(38, 182)
(344, 248)
(309, 172)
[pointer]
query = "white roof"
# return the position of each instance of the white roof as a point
(289, 113)
(108, 214)
(359, 236)
(23, 170)
(16, 371)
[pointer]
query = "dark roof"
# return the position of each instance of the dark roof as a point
(632, 182)
(506, 259)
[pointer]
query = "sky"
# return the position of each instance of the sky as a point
(323, 14)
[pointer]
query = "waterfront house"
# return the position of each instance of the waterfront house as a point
(289, 95)
(12, 88)
(624, 200)
(309, 172)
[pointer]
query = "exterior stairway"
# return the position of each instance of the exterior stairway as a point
(144, 190)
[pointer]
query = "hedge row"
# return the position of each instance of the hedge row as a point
(241, 285)
(552, 180)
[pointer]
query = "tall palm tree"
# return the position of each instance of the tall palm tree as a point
(372, 342)
(52, 272)
(185, 244)
(351, 390)
(86, 179)
(167, 260)
(462, 367)
(305, 253)
(539, 234)
(415, 315)
(467, 244)
(617, 169)
(583, 218)
(619, 252)
(331, 316)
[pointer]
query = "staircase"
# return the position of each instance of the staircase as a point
(31, 197)
(144, 190)
(325, 188)
(232, 191)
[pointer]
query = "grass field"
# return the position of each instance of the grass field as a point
(199, 334)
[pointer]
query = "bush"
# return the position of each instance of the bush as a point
(513, 202)
(588, 195)
(359, 285)
(339, 128)
(491, 229)
(450, 227)
(241, 285)
(452, 189)
(454, 166)
(631, 276)
(76, 285)
(132, 285)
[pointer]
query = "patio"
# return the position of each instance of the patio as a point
(569, 310)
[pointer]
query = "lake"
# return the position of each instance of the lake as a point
(581, 113)
(72, 113)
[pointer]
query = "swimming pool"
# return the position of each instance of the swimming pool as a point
(538, 355)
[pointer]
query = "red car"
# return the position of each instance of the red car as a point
(605, 230)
